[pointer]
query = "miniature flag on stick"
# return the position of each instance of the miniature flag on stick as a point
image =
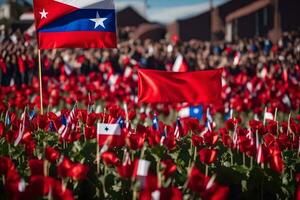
(110, 133)
(142, 167)
(66, 123)
(21, 129)
(192, 111)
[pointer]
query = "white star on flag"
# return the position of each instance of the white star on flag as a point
(196, 110)
(98, 21)
(43, 14)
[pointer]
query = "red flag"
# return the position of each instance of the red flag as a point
(177, 87)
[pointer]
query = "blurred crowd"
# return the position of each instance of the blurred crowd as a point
(256, 71)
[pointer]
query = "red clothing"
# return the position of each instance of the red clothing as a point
(21, 65)
(30, 63)
(3, 66)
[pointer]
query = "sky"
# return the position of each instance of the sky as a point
(170, 10)
(166, 11)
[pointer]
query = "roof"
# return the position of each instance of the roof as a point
(28, 16)
(246, 10)
(130, 17)
(155, 32)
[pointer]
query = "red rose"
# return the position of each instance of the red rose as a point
(275, 160)
(131, 114)
(170, 193)
(208, 156)
(197, 141)
(36, 167)
(196, 180)
(216, 192)
(1, 129)
(78, 171)
(51, 154)
(64, 167)
(6, 165)
(170, 142)
(90, 132)
(75, 171)
(40, 186)
(126, 170)
(169, 167)
(110, 158)
(210, 138)
(135, 141)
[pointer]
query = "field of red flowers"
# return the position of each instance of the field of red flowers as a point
(244, 157)
(254, 159)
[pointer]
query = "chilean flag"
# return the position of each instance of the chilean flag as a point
(75, 23)
(192, 111)
(111, 134)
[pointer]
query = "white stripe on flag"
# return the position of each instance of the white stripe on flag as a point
(155, 195)
(184, 112)
(143, 167)
(259, 154)
(89, 4)
(21, 129)
(268, 116)
(176, 132)
(108, 129)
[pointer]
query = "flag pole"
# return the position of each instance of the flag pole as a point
(40, 81)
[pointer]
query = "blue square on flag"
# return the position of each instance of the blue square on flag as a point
(196, 112)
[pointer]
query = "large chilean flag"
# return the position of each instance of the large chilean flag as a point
(75, 23)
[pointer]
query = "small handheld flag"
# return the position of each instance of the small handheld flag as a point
(110, 134)
(7, 118)
(178, 129)
(108, 129)
(155, 123)
(21, 129)
(209, 120)
(142, 167)
(192, 111)
(63, 130)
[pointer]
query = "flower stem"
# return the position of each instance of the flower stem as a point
(231, 157)
(158, 172)
(3, 179)
(103, 182)
(134, 196)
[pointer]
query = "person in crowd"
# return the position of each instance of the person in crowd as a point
(245, 62)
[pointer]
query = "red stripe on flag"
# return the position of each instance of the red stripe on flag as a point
(173, 87)
(80, 39)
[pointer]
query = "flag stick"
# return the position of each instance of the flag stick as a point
(40, 81)
(275, 117)
(289, 124)
(264, 122)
